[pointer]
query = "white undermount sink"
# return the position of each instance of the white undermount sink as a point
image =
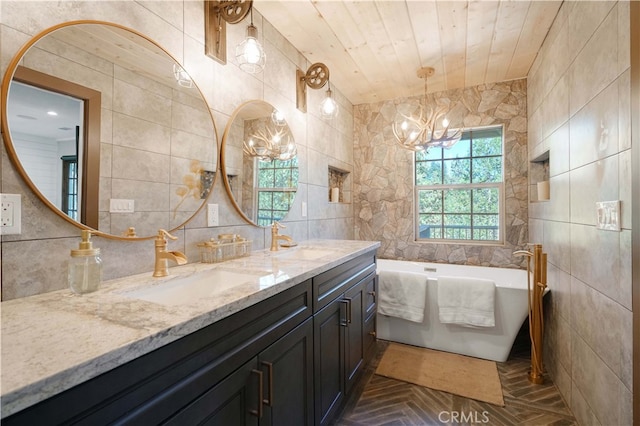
(189, 289)
(303, 253)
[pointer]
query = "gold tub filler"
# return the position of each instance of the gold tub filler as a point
(536, 321)
(226, 247)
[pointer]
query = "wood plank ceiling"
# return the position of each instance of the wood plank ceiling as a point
(374, 48)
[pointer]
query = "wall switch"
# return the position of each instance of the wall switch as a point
(608, 215)
(121, 206)
(11, 214)
(304, 209)
(212, 215)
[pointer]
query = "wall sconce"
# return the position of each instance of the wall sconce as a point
(217, 13)
(316, 77)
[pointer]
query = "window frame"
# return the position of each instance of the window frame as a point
(70, 187)
(471, 186)
(259, 189)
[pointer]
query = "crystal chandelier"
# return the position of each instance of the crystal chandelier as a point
(421, 132)
(271, 142)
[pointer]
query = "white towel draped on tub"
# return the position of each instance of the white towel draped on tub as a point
(466, 301)
(402, 294)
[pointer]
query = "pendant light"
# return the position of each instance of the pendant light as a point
(249, 53)
(328, 106)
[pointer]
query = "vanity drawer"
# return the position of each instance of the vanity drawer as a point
(371, 297)
(331, 284)
(369, 338)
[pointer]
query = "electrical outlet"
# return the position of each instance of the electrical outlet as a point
(212, 215)
(11, 214)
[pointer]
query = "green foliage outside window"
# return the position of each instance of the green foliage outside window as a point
(277, 182)
(458, 190)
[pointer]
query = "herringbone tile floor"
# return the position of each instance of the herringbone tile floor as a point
(384, 401)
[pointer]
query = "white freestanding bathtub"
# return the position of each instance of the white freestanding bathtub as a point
(493, 343)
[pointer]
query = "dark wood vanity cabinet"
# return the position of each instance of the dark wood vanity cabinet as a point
(290, 359)
(340, 333)
(274, 388)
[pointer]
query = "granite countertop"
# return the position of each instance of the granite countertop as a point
(54, 341)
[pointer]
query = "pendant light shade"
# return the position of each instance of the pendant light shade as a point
(328, 106)
(249, 53)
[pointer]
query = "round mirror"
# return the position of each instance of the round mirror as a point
(259, 163)
(108, 129)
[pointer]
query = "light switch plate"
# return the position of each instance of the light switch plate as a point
(304, 209)
(11, 214)
(608, 215)
(212, 215)
(117, 205)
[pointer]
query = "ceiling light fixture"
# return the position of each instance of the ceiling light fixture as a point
(217, 13)
(249, 52)
(316, 77)
(270, 142)
(427, 127)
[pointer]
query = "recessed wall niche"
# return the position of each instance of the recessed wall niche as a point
(539, 178)
(339, 186)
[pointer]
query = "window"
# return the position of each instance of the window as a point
(459, 191)
(70, 185)
(276, 188)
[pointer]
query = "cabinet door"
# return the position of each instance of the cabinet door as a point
(287, 366)
(328, 335)
(354, 342)
(236, 400)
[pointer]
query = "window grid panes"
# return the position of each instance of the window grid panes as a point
(275, 189)
(70, 186)
(459, 190)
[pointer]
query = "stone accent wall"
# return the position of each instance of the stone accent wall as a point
(384, 182)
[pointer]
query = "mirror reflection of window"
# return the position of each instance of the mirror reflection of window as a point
(47, 126)
(276, 184)
(70, 185)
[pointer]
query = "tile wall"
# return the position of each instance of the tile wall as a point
(578, 108)
(35, 261)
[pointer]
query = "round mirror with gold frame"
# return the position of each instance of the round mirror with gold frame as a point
(259, 163)
(108, 129)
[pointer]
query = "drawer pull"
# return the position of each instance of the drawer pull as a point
(373, 293)
(258, 412)
(372, 333)
(269, 401)
(344, 322)
(348, 299)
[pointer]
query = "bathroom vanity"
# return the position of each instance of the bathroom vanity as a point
(283, 344)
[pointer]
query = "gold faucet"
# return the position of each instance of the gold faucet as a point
(161, 268)
(536, 314)
(275, 237)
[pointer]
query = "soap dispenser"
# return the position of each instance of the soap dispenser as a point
(85, 266)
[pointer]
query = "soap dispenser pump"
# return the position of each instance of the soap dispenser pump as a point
(85, 266)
